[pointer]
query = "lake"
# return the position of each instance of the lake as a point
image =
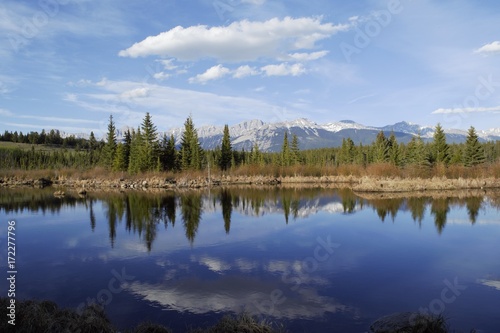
(310, 259)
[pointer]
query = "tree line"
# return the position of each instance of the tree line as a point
(142, 150)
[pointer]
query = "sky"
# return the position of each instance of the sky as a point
(70, 64)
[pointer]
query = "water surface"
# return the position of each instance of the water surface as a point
(310, 259)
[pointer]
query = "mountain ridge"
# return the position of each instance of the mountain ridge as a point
(269, 136)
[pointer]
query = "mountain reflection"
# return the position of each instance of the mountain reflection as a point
(142, 212)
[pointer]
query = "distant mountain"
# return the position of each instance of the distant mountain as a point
(269, 136)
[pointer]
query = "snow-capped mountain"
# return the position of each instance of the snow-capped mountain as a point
(269, 136)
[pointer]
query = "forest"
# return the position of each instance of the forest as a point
(144, 150)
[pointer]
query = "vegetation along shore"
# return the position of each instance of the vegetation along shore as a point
(143, 159)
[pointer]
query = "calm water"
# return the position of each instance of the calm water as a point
(314, 260)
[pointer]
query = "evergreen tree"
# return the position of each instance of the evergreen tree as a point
(294, 150)
(191, 151)
(285, 151)
(110, 147)
(120, 162)
(416, 152)
(347, 151)
(474, 151)
(394, 150)
(134, 164)
(149, 150)
(255, 155)
(226, 154)
(381, 148)
(440, 149)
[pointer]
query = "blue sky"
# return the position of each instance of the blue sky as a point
(69, 64)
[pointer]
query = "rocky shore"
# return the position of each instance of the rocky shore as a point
(359, 184)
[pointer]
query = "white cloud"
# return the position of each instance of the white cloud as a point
(135, 93)
(489, 48)
(213, 73)
(284, 69)
(495, 109)
(161, 76)
(240, 41)
(6, 113)
(243, 71)
(307, 56)
(168, 64)
(254, 2)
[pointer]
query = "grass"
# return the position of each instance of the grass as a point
(28, 146)
(45, 316)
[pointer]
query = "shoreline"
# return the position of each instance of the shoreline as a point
(363, 184)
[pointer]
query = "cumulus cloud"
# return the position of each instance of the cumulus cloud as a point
(489, 48)
(135, 93)
(284, 69)
(495, 109)
(307, 56)
(160, 76)
(239, 41)
(213, 73)
(243, 71)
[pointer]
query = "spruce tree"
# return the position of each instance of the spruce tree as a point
(440, 149)
(381, 148)
(294, 150)
(191, 151)
(226, 154)
(285, 151)
(110, 147)
(474, 151)
(149, 145)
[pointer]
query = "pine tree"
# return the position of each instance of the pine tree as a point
(110, 147)
(440, 149)
(416, 152)
(285, 151)
(394, 151)
(381, 148)
(191, 151)
(149, 145)
(294, 150)
(474, 151)
(226, 151)
(134, 164)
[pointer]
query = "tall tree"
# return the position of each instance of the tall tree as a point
(381, 148)
(191, 151)
(226, 154)
(440, 149)
(295, 150)
(149, 144)
(285, 151)
(474, 151)
(134, 163)
(110, 147)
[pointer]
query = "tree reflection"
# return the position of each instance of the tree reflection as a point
(417, 205)
(440, 208)
(226, 201)
(473, 205)
(191, 209)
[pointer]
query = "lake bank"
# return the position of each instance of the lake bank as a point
(159, 181)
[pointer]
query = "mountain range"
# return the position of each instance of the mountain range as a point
(269, 136)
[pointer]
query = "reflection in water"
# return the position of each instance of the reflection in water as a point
(289, 260)
(141, 212)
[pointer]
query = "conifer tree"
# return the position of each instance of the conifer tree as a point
(110, 147)
(149, 149)
(440, 149)
(394, 151)
(191, 151)
(474, 151)
(294, 150)
(134, 165)
(381, 148)
(285, 151)
(226, 154)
